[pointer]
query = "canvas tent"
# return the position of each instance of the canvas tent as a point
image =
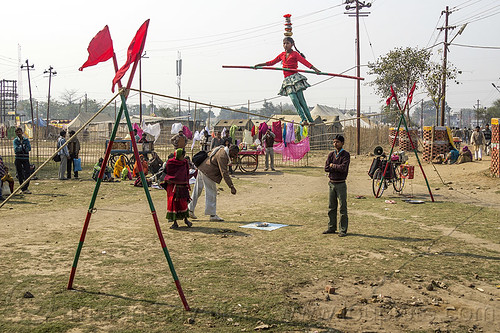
(326, 112)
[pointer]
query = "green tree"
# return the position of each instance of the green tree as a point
(433, 80)
(400, 68)
(491, 112)
(429, 114)
(268, 109)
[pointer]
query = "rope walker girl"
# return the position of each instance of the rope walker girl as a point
(294, 83)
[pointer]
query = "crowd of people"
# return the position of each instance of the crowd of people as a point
(479, 138)
(178, 172)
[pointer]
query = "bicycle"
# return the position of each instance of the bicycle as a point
(392, 173)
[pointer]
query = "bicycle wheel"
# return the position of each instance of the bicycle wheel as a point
(397, 181)
(377, 178)
(130, 162)
(112, 160)
(236, 163)
(248, 163)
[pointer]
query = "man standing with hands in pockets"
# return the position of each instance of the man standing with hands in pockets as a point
(337, 166)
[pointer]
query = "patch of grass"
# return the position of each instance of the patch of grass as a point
(231, 279)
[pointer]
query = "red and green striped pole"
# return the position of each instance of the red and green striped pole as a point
(153, 210)
(123, 109)
(94, 196)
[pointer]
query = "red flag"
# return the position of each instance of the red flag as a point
(393, 94)
(134, 52)
(410, 95)
(100, 48)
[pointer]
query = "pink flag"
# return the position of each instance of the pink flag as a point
(100, 48)
(134, 52)
(393, 94)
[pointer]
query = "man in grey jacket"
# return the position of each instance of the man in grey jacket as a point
(211, 172)
(64, 154)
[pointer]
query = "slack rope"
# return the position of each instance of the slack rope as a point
(296, 70)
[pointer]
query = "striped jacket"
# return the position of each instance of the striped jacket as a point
(22, 148)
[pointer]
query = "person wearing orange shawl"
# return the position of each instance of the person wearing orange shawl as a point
(176, 183)
(135, 172)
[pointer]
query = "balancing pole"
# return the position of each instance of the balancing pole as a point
(296, 70)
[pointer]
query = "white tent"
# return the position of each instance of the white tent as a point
(327, 112)
(82, 118)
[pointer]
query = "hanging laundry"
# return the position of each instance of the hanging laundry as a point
(176, 127)
(232, 132)
(298, 132)
(187, 132)
(152, 129)
(253, 130)
(262, 130)
(196, 137)
(304, 131)
(290, 134)
(247, 137)
(293, 151)
(277, 131)
(284, 134)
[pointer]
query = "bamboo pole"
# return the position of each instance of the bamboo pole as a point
(296, 70)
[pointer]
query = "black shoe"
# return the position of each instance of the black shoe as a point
(188, 223)
(174, 226)
(342, 234)
(330, 231)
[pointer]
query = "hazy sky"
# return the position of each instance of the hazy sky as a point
(209, 34)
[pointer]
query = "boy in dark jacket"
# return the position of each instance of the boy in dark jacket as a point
(337, 166)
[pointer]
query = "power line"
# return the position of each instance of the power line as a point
(477, 46)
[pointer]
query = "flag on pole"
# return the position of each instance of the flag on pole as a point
(134, 52)
(100, 48)
(410, 95)
(393, 94)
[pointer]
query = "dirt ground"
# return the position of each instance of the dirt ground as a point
(382, 302)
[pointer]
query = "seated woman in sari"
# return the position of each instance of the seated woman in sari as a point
(176, 183)
(107, 171)
(144, 162)
(155, 163)
(465, 155)
(119, 165)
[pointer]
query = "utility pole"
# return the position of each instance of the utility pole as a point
(152, 106)
(28, 66)
(178, 67)
(359, 5)
(86, 104)
(51, 73)
(33, 125)
(140, 86)
(445, 59)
